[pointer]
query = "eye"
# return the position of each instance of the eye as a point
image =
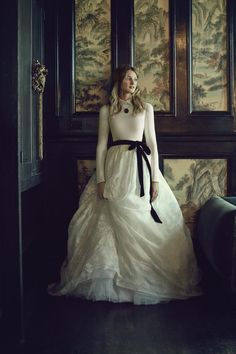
(132, 78)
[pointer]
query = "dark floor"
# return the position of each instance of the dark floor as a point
(72, 326)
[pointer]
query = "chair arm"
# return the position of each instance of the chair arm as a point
(216, 234)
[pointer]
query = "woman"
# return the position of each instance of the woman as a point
(128, 241)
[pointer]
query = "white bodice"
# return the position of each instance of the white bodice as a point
(126, 126)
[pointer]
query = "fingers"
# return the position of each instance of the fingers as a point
(100, 195)
(154, 190)
(154, 195)
(100, 190)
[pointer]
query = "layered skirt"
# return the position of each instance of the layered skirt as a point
(117, 251)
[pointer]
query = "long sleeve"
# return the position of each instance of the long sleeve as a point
(150, 136)
(101, 151)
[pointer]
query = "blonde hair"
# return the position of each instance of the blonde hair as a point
(115, 105)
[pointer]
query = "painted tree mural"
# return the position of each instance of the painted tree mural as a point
(209, 55)
(194, 181)
(92, 53)
(152, 51)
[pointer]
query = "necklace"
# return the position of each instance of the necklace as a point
(126, 103)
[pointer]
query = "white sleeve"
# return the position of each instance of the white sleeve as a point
(101, 151)
(150, 137)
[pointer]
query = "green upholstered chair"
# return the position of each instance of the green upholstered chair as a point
(216, 243)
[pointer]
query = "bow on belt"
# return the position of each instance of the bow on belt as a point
(142, 150)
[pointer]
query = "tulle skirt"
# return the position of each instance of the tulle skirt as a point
(117, 252)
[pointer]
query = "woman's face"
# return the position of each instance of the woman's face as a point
(129, 83)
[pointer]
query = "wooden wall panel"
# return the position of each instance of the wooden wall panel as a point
(181, 119)
(30, 48)
(10, 202)
(181, 133)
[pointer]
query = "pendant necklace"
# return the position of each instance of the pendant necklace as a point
(125, 103)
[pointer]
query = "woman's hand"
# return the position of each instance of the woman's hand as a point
(100, 188)
(154, 190)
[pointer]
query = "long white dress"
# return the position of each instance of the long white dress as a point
(116, 251)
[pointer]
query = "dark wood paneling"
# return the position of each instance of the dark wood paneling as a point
(181, 60)
(30, 48)
(51, 104)
(65, 51)
(233, 39)
(37, 18)
(18, 28)
(60, 25)
(125, 31)
(84, 147)
(198, 125)
(10, 236)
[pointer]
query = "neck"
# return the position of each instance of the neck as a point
(125, 96)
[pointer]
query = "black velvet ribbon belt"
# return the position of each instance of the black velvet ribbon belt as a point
(142, 150)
